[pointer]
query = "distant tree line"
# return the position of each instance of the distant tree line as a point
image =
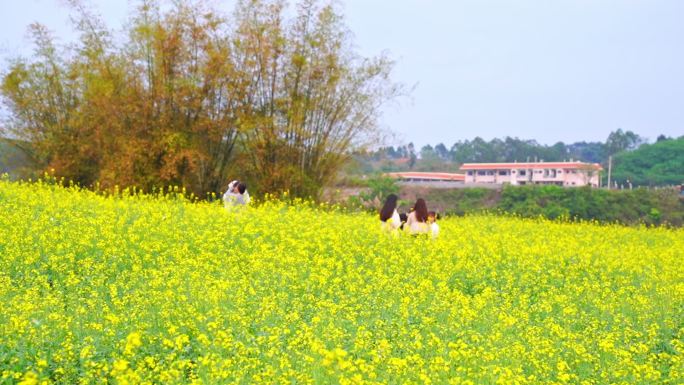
(512, 149)
(635, 161)
(186, 96)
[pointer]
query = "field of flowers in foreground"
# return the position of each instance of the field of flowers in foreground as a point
(143, 290)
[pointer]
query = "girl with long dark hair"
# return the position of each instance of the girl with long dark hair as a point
(389, 216)
(417, 219)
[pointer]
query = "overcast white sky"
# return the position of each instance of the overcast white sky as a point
(561, 70)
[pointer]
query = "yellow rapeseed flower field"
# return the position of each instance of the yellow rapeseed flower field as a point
(144, 290)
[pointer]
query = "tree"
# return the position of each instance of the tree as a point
(593, 152)
(190, 97)
(159, 109)
(660, 163)
(442, 151)
(556, 153)
(41, 96)
(427, 151)
(411, 155)
(430, 160)
(379, 188)
(314, 98)
(519, 150)
(622, 141)
(402, 152)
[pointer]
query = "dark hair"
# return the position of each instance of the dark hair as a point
(242, 187)
(421, 210)
(389, 207)
(232, 184)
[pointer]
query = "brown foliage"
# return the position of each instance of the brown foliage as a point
(191, 97)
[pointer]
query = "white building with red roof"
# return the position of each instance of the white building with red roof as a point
(554, 173)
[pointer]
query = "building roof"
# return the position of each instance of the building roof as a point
(530, 165)
(428, 175)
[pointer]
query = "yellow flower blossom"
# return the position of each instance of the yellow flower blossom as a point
(141, 289)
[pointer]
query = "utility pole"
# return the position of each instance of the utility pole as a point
(610, 168)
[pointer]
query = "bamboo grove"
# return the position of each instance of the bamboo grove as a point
(187, 96)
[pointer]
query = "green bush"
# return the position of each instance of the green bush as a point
(641, 205)
(379, 187)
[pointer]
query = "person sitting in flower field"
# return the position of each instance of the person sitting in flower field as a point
(417, 219)
(242, 194)
(389, 216)
(432, 224)
(236, 195)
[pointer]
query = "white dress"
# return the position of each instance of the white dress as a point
(229, 197)
(415, 226)
(393, 222)
(434, 229)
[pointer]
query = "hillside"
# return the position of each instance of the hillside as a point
(657, 164)
(141, 289)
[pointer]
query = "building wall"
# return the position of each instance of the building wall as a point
(561, 177)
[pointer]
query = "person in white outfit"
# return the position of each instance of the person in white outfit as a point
(432, 224)
(389, 216)
(236, 195)
(242, 194)
(417, 219)
(229, 196)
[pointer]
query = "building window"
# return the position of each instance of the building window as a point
(503, 172)
(481, 173)
(470, 173)
(490, 172)
(522, 172)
